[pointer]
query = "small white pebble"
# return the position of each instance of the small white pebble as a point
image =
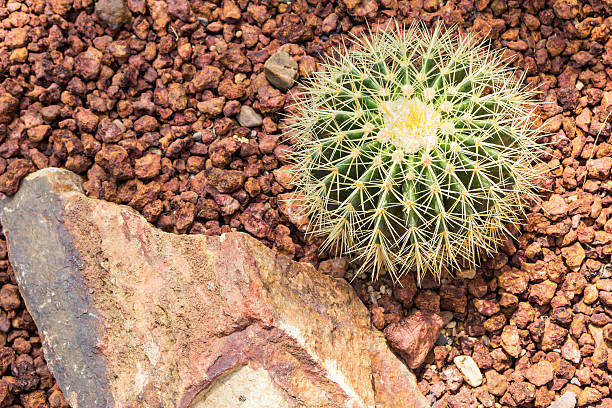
(469, 369)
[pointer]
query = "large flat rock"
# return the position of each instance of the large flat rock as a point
(131, 316)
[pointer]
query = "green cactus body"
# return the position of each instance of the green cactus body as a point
(413, 149)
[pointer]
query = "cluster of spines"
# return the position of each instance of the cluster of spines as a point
(439, 206)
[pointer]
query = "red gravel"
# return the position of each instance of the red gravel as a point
(147, 113)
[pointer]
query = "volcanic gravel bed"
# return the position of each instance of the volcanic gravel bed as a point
(147, 113)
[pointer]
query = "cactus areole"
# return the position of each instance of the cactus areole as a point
(413, 150)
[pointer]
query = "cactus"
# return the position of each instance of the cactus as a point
(413, 149)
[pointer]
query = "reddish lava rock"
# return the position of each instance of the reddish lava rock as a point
(414, 336)
(540, 373)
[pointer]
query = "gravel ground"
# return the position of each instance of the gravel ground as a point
(147, 103)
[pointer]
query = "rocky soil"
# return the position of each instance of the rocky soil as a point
(173, 108)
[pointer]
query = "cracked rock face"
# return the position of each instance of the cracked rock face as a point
(131, 316)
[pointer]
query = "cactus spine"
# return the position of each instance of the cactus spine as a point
(413, 149)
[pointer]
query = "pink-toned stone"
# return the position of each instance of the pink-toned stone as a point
(599, 168)
(553, 336)
(574, 255)
(291, 205)
(570, 351)
(496, 383)
(555, 207)
(131, 316)
(513, 281)
(511, 341)
(539, 374)
(542, 293)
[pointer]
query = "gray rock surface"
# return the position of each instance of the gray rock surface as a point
(114, 13)
(45, 273)
(248, 117)
(281, 70)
